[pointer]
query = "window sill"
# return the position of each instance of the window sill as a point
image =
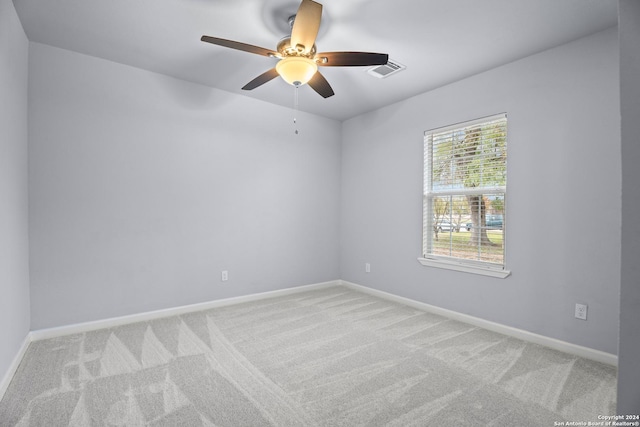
(466, 268)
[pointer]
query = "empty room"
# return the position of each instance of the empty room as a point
(319, 213)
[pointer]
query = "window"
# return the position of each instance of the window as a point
(465, 189)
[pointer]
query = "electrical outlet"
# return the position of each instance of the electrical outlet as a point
(367, 268)
(581, 311)
(224, 276)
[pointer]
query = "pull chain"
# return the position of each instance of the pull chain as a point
(295, 112)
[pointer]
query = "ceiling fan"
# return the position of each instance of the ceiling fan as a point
(298, 60)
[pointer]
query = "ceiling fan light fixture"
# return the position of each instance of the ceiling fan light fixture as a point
(299, 60)
(296, 70)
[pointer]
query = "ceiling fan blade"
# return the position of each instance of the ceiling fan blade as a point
(321, 85)
(351, 59)
(306, 25)
(240, 46)
(261, 79)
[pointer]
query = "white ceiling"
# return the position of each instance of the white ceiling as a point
(440, 41)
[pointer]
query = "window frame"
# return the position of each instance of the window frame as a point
(451, 262)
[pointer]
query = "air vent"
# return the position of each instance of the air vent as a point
(383, 71)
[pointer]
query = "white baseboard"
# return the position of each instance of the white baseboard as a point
(77, 328)
(577, 350)
(4, 383)
(559, 345)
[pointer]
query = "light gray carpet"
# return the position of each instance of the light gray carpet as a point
(329, 357)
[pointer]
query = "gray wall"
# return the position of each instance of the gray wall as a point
(14, 246)
(629, 353)
(563, 204)
(143, 188)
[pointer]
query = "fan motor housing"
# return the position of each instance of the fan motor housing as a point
(285, 49)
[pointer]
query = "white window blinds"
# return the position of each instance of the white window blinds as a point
(465, 190)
